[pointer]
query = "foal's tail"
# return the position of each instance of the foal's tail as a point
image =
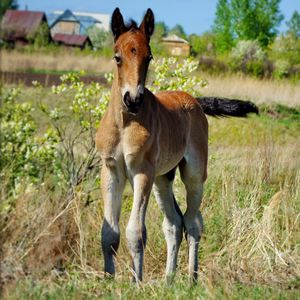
(223, 107)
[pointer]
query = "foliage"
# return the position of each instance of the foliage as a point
(161, 30)
(285, 52)
(29, 155)
(7, 4)
(247, 20)
(294, 25)
(248, 57)
(204, 44)
(223, 27)
(250, 245)
(179, 31)
(98, 37)
(42, 37)
(173, 74)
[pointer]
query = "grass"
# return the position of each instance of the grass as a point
(249, 250)
(60, 61)
(257, 90)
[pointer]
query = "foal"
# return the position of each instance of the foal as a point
(143, 138)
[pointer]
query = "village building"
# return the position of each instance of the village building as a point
(176, 46)
(68, 22)
(20, 27)
(72, 40)
(101, 21)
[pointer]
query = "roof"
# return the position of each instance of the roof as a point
(20, 23)
(103, 20)
(67, 15)
(175, 39)
(71, 39)
(85, 21)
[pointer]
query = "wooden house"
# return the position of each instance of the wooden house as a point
(19, 27)
(176, 46)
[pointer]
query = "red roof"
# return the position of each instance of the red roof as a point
(20, 23)
(71, 39)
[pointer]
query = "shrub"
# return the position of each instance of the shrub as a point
(248, 57)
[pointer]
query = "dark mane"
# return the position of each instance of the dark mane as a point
(131, 25)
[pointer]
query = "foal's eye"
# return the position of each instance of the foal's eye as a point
(150, 57)
(117, 59)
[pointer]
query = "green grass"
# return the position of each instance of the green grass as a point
(250, 246)
(78, 288)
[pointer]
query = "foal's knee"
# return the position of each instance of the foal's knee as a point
(194, 225)
(136, 238)
(173, 230)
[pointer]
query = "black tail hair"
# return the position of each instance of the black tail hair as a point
(222, 107)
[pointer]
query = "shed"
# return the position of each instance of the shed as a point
(20, 26)
(176, 46)
(72, 40)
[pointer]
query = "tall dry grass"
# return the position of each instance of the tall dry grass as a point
(61, 61)
(231, 86)
(250, 208)
(249, 88)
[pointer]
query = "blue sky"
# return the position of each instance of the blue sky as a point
(196, 16)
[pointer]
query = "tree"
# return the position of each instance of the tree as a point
(223, 27)
(247, 20)
(161, 30)
(98, 36)
(7, 4)
(204, 44)
(179, 31)
(294, 25)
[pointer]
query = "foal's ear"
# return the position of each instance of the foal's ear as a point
(117, 23)
(147, 25)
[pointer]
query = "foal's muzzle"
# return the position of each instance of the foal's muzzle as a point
(133, 105)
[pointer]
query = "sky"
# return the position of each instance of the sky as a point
(196, 16)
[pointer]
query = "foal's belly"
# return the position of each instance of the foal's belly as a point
(169, 156)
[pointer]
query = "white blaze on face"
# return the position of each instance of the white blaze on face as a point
(134, 91)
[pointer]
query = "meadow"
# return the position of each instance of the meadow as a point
(250, 248)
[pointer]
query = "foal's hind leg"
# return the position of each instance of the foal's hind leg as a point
(172, 224)
(112, 185)
(193, 181)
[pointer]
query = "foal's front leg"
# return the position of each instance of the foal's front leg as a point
(142, 181)
(112, 186)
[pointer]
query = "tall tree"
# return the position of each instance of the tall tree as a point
(223, 27)
(7, 4)
(248, 20)
(178, 30)
(294, 25)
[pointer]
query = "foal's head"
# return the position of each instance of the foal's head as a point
(132, 56)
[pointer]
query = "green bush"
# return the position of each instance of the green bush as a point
(248, 57)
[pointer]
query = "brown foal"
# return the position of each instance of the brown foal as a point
(143, 138)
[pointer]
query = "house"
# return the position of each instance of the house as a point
(176, 46)
(20, 27)
(68, 22)
(103, 20)
(70, 30)
(65, 23)
(72, 40)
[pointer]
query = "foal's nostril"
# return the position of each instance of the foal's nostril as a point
(127, 99)
(133, 104)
